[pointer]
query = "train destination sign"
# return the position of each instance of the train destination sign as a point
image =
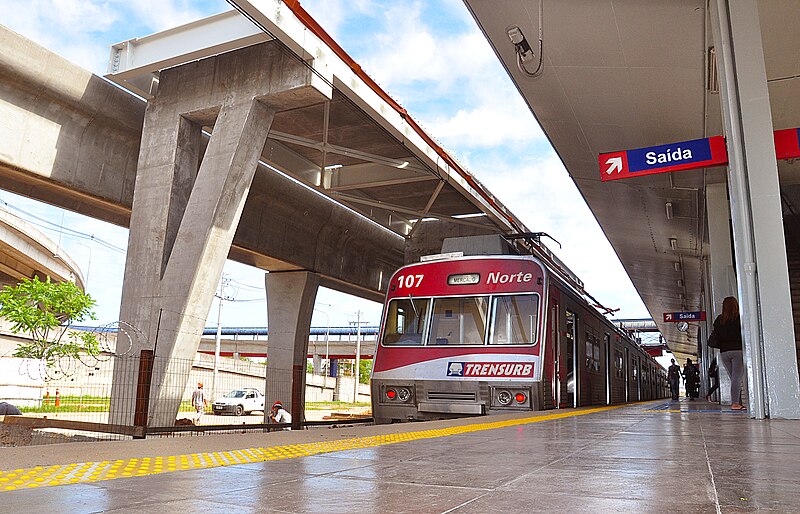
(787, 143)
(675, 317)
(684, 155)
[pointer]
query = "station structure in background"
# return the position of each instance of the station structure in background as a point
(678, 124)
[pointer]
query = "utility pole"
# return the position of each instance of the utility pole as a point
(357, 371)
(221, 297)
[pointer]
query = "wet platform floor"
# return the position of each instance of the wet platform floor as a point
(651, 457)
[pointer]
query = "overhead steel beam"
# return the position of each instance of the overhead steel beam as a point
(343, 150)
(381, 183)
(427, 207)
(403, 210)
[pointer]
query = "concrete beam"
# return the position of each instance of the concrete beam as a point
(71, 139)
(67, 137)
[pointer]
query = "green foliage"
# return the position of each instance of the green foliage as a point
(364, 369)
(44, 310)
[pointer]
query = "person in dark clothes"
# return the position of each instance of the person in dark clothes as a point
(691, 378)
(728, 333)
(674, 376)
(713, 379)
(6, 409)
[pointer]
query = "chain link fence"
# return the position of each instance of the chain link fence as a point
(128, 396)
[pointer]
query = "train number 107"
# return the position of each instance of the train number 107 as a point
(409, 281)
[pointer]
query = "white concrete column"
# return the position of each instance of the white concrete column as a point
(722, 274)
(290, 304)
(767, 324)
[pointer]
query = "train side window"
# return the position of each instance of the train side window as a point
(597, 354)
(618, 364)
(592, 352)
(405, 321)
(589, 351)
(459, 320)
(515, 319)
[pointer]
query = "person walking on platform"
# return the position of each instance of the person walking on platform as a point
(674, 376)
(199, 402)
(713, 379)
(691, 378)
(727, 336)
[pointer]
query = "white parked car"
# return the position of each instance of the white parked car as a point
(240, 401)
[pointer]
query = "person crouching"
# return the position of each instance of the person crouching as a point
(280, 415)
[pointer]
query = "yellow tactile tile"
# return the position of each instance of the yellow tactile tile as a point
(87, 472)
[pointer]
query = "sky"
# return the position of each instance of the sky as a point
(429, 55)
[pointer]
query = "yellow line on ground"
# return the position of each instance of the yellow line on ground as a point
(87, 472)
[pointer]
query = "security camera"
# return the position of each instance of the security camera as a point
(521, 45)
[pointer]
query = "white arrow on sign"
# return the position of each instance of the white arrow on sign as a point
(668, 317)
(616, 165)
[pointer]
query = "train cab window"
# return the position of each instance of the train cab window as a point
(405, 321)
(459, 320)
(514, 319)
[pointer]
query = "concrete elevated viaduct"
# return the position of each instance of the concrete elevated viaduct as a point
(271, 153)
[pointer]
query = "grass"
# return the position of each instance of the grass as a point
(101, 404)
(335, 405)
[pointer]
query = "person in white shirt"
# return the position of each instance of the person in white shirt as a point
(199, 402)
(280, 415)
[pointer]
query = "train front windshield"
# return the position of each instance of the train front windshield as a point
(471, 320)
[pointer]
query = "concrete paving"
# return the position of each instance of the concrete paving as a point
(652, 457)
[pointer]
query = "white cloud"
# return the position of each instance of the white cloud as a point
(331, 14)
(163, 14)
(488, 124)
(408, 50)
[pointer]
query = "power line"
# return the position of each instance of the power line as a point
(49, 225)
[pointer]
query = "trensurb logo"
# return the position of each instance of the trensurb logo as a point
(490, 369)
(455, 369)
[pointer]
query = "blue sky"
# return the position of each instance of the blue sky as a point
(430, 56)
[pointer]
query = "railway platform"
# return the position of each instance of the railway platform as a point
(659, 456)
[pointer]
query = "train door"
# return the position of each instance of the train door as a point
(571, 356)
(554, 353)
(607, 345)
(627, 377)
(638, 374)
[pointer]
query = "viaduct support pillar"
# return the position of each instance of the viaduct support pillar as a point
(186, 208)
(290, 304)
(766, 309)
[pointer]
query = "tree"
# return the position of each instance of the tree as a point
(45, 310)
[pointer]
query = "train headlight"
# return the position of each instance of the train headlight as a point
(403, 394)
(391, 394)
(503, 397)
(520, 397)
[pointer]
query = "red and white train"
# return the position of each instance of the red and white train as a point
(489, 334)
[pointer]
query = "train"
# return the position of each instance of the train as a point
(498, 324)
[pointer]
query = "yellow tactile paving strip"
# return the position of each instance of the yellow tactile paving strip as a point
(87, 472)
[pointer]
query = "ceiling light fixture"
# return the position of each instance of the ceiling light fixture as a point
(673, 243)
(668, 207)
(680, 283)
(676, 265)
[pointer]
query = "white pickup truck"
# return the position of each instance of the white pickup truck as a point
(239, 401)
